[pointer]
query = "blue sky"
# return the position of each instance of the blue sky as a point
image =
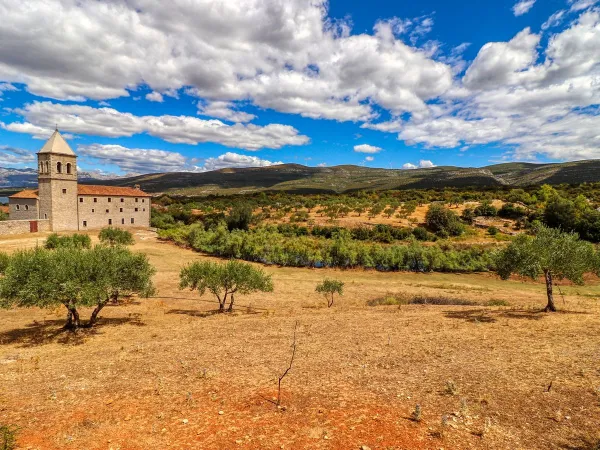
(212, 84)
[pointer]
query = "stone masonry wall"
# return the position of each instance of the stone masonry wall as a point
(98, 212)
(8, 227)
(28, 208)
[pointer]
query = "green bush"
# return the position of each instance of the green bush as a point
(55, 241)
(486, 209)
(493, 231)
(266, 245)
(442, 221)
(116, 236)
(8, 437)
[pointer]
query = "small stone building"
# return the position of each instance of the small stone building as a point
(69, 206)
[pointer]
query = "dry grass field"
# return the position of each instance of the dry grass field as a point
(169, 373)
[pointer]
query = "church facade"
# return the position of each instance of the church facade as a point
(62, 204)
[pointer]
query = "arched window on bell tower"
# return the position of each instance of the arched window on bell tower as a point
(59, 167)
(69, 168)
(47, 167)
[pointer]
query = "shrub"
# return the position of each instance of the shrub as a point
(55, 241)
(239, 218)
(468, 215)
(116, 236)
(421, 234)
(442, 221)
(493, 231)
(511, 211)
(486, 209)
(438, 300)
(8, 437)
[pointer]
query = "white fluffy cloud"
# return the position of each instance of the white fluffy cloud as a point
(155, 97)
(284, 55)
(523, 7)
(369, 158)
(135, 160)
(41, 117)
(423, 164)
(531, 101)
(226, 111)
(233, 160)
(366, 148)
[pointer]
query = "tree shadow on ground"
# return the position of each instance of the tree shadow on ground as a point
(212, 312)
(491, 316)
(583, 443)
(52, 331)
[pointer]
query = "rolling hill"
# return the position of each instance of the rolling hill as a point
(345, 178)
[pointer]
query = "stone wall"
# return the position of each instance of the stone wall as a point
(23, 208)
(8, 227)
(122, 212)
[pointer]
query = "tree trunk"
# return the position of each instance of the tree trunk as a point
(222, 303)
(73, 321)
(230, 304)
(98, 308)
(550, 307)
(330, 303)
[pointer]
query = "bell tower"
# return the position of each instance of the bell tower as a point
(57, 184)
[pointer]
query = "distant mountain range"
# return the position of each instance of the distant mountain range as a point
(347, 178)
(27, 178)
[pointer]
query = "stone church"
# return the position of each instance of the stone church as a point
(61, 204)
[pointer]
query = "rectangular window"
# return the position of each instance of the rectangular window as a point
(80, 199)
(143, 200)
(132, 221)
(137, 209)
(85, 223)
(93, 210)
(136, 200)
(64, 191)
(122, 221)
(109, 200)
(17, 207)
(110, 221)
(120, 209)
(95, 200)
(107, 211)
(144, 209)
(122, 200)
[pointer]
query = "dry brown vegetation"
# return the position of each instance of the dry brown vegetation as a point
(169, 373)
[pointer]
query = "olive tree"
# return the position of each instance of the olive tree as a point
(330, 287)
(225, 280)
(74, 278)
(550, 252)
(115, 236)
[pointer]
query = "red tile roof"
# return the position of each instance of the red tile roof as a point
(114, 191)
(27, 193)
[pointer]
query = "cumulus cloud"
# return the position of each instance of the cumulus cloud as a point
(226, 111)
(523, 7)
(235, 160)
(369, 158)
(4, 87)
(288, 56)
(155, 97)
(423, 164)
(366, 148)
(41, 117)
(10, 156)
(531, 105)
(135, 160)
(138, 161)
